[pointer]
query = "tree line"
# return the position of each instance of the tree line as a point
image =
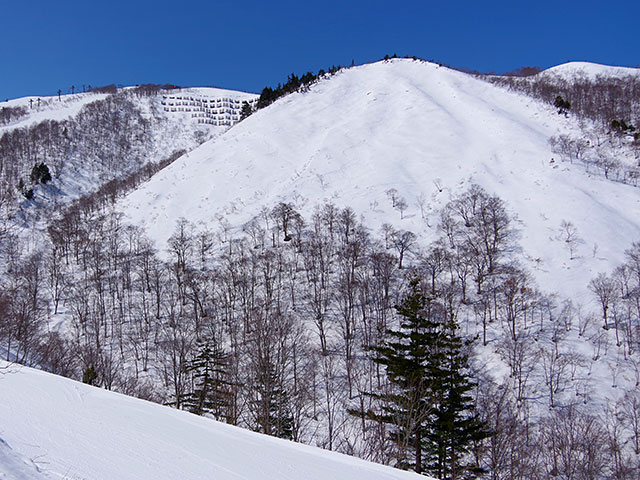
(293, 84)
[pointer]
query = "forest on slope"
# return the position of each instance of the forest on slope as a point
(54, 151)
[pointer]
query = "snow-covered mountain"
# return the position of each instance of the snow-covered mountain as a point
(32, 110)
(53, 427)
(395, 141)
(427, 131)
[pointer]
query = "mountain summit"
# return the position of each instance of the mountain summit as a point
(424, 130)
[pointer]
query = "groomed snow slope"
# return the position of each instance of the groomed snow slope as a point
(74, 431)
(417, 127)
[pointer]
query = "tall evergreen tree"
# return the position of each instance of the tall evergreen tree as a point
(210, 394)
(455, 426)
(431, 415)
(40, 174)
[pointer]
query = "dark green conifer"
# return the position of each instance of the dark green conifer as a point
(430, 412)
(211, 392)
(246, 110)
(40, 174)
(90, 376)
(562, 105)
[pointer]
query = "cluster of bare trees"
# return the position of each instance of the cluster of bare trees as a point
(107, 139)
(618, 295)
(603, 98)
(272, 329)
(608, 153)
(11, 114)
(567, 443)
(610, 139)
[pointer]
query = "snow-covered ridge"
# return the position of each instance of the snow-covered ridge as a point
(588, 70)
(150, 132)
(72, 430)
(40, 109)
(62, 107)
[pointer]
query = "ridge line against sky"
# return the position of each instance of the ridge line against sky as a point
(46, 46)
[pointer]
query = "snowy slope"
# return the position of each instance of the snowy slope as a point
(74, 431)
(588, 70)
(50, 108)
(15, 467)
(77, 173)
(419, 128)
(66, 106)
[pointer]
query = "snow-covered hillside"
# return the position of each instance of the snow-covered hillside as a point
(51, 427)
(428, 132)
(588, 70)
(407, 145)
(88, 139)
(38, 109)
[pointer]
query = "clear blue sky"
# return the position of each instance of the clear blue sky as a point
(245, 45)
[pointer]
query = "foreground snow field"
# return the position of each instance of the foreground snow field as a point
(74, 431)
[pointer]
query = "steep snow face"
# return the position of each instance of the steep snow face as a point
(424, 130)
(588, 70)
(72, 430)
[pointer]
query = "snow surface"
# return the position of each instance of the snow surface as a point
(14, 467)
(588, 70)
(75, 431)
(417, 127)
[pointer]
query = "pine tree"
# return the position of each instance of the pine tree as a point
(431, 415)
(210, 394)
(40, 174)
(246, 110)
(455, 425)
(562, 105)
(90, 376)
(406, 358)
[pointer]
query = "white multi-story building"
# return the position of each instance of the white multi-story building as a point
(207, 108)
